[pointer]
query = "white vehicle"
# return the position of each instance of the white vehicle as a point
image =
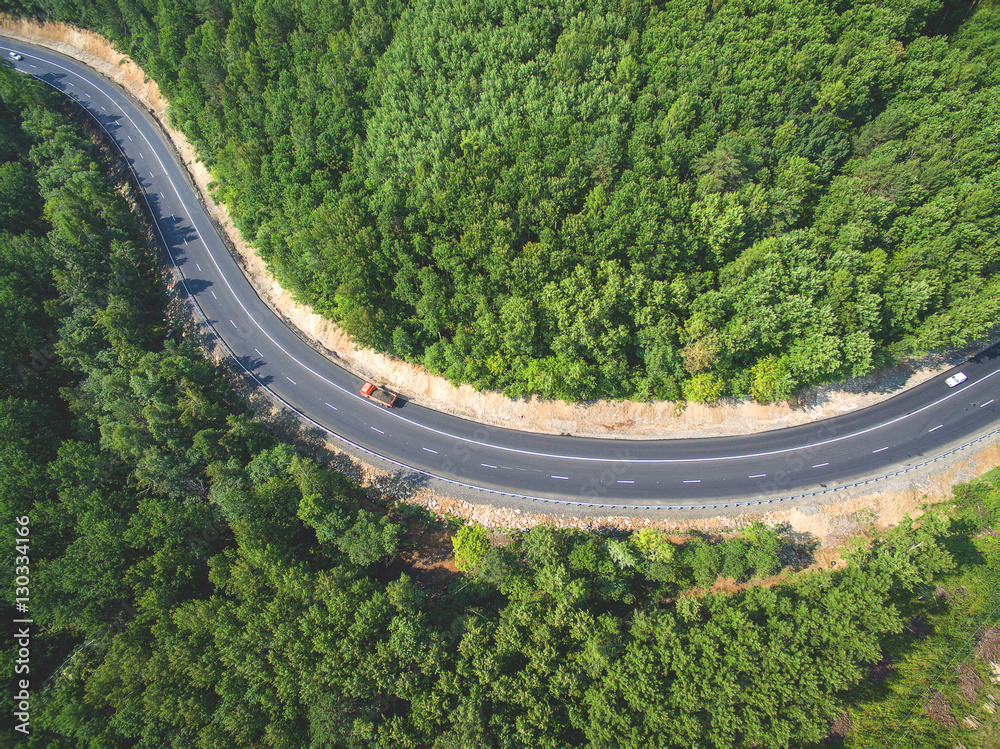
(15, 55)
(957, 379)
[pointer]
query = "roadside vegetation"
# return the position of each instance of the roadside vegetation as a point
(637, 199)
(938, 682)
(198, 583)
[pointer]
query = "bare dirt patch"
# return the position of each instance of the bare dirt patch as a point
(599, 418)
(937, 707)
(879, 672)
(988, 644)
(427, 554)
(842, 727)
(919, 627)
(969, 683)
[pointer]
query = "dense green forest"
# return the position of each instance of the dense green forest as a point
(611, 198)
(197, 583)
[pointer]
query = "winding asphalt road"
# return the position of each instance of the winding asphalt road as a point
(917, 425)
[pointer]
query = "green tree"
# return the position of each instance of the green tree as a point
(771, 380)
(370, 539)
(704, 387)
(470, 544)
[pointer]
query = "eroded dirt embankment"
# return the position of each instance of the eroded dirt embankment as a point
(601, 418)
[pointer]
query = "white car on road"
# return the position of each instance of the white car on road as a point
(957, 379)
(15, 55)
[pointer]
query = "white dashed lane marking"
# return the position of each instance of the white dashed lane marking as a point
(213, 295)
(561, 478)
(327, 404)
(820, 465)
(487, 465)
(935, 428)
(692, 481)
(260, 354)
(378, 430)
(291, 380)
(757, 476)
(987, 403)
(196, 264)
(233, 324)
(431, 451)
(621, 481)
(880, 449)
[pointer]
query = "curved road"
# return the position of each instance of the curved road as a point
(906, 430)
